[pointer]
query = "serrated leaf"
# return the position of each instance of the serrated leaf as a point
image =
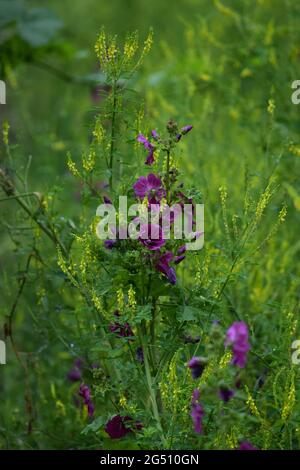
(143, 313)
(189, 313)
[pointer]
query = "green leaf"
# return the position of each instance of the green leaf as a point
(143, 313)
(11, 11)
(38, 26)
(95, 426)
(189, 313)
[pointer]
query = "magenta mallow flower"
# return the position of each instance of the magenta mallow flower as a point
(226, 394)
(163, 266)
(246, 445)
(121, 330)
(150, 186)
(151, 236)
(237, 337)
(197, 366)
(197, 411)
(148, 146)
(85, 393)
(118, 426)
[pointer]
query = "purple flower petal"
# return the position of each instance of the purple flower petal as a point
(226, 394)
(197, 366)
(178, 259)
(197, 411)
(151, 236)
(246, 445)
(186, 129)
(237, 336)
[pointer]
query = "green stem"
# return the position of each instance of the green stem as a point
(150, 386)
(113, 131)
(168, 176)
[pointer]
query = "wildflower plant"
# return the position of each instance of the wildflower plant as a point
(161, 351)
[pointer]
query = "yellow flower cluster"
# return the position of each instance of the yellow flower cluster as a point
(71, 165)
(5, 132)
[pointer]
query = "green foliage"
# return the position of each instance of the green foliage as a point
(226, 67)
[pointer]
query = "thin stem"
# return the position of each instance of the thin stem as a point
(9, 333)
(150, 386)
(113, 131)
(168, 176)
(11, 191)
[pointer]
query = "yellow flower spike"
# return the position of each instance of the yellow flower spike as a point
(132, 298)
(208, 371)
(225, 359)
(290, 399)
(251, 404)
(71, 165)
(5, 132)
(131, 46)
(97, 302)
(271, 106)
(120, 299)
(60, 407)
(148, 43)
(112, 50)
(294, 150)
(99, 131)
(88, 160)
(232, 440)
(122, 401)
(100, 47)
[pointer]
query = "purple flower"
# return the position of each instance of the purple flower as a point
(148, 146)
(226, 394)
(107, 200)
(109, 244)
(246, 445)
(162, 265)
(237, 336)
(181, 250)
(186, 129)
(121, 330)
(151, 236)
(154, 134)
(197, 366)
(74, 375)
(85, 393)
(116, 428)
(197, 411)
(150, 186)
(178, 259)
(79, 362)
